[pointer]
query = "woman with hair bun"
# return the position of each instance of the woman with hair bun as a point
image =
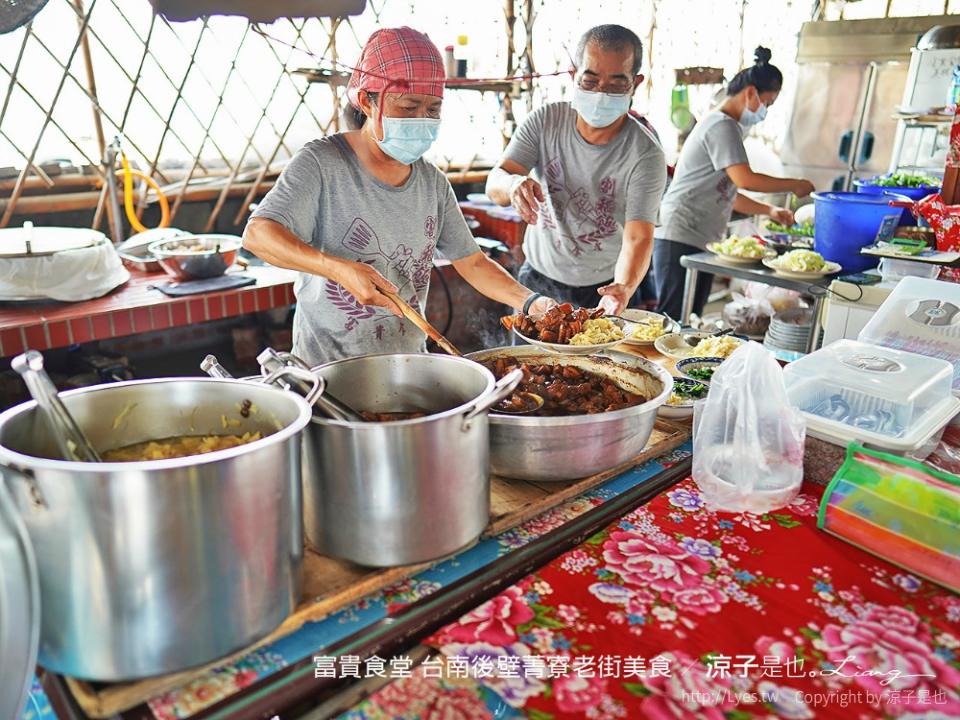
(712, 169)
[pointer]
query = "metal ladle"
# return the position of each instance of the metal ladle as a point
(534, 403)
(73, 443)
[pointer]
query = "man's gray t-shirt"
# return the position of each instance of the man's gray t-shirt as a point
(591, 192)
(699, 202)
(328, 199)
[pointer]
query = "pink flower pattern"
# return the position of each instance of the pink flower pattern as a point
(495, 621)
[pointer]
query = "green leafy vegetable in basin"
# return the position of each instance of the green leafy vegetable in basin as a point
(801, 229)
(906, 180)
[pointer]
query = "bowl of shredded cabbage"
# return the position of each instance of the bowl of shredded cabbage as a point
(741, 250)
(802, 265)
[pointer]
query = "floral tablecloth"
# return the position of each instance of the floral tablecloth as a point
(243, 674)
(679, 612)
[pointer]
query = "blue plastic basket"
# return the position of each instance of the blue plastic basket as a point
(845, 222)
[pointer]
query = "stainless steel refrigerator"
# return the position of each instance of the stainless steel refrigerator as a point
(851, 81)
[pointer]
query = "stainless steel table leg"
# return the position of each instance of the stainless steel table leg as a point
(689, 290)
(815, 324)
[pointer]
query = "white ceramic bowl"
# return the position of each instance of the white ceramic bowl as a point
(673, 345)
(695, 363)
(684, 410)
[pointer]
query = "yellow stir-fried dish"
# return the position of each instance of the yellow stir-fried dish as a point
(596, 332)
(648, 329)
(177, 447)
(720, 346)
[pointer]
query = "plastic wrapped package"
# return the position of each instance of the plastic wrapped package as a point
(780, 299)
(748, 441)
(897, 509)
(748, 316)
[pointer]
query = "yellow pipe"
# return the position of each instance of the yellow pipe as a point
(128, 175)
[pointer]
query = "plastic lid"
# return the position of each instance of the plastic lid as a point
(920, 316)
(19, 610)
(857, 391)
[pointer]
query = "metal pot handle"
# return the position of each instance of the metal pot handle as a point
(293, 360)
(501, 389)
(10, 518)
(318, 384)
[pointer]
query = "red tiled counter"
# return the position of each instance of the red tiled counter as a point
(136, 308)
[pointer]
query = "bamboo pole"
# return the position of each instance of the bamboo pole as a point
(213, 117)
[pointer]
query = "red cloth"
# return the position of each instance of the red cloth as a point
(755, 616)
(398, 60)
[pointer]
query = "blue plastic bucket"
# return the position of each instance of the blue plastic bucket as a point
(914, 193)
(844, 222)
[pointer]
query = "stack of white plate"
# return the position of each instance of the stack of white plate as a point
(789, 330)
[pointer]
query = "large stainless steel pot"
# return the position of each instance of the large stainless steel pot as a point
(577, 446)
(154, 567)
(385, 494)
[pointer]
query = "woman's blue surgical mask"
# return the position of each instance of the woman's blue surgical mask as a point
(749, 117)
(407, 139)
(599, 109)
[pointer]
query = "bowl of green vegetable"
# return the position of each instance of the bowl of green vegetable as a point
(787, 237)
(915, 187)
(699, 369)
(685, 393)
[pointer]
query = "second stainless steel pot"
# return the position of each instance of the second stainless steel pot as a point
(549, 449)
(395, 493)
(153, 567)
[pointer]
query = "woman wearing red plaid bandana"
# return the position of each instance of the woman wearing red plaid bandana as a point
(361, 211)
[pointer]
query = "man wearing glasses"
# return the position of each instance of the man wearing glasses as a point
(587, 178)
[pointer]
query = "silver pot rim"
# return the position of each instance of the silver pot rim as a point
(658, 372)
(435, 417)
(19, 461)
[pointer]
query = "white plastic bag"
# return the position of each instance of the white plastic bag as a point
(747, 438)
(780, 299)
(748, 316)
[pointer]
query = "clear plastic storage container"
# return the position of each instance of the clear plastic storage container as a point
(853, 391)
(920, 316)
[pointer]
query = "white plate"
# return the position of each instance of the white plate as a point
(675, 412)
(639, 315)
(673, 346)
(736, 259)
(564, 349)
(829, 269)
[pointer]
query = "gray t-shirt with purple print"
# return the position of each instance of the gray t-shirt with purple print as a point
(327, 199)
(591, 191)
(699, 203)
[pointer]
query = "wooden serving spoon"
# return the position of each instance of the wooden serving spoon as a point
(417, 319)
